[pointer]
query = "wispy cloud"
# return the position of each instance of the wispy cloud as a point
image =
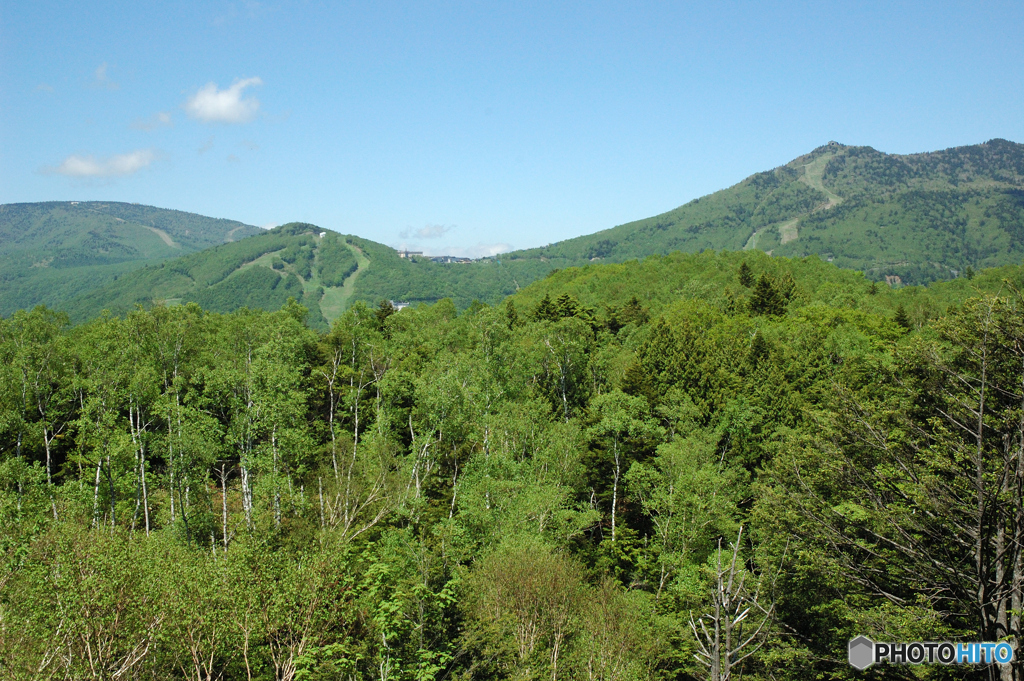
(102, 80)
(157, 120)
(43, 87)
(428, 232)
(207, 145)
(247, 9)
(212, 105)
(112, 166)
(480, 250)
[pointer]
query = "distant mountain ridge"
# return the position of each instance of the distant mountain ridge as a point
(912, 219)
(923, 217)
(54, 251)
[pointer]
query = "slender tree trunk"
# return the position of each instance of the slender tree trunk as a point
(138, 492)
(615, 484)
(277, 490)
(330, 414)
(145, 490)
(96, 494)
(224, 505)
(170, 460)
(134, 424)
(183, 507)
(455, 482)
(49, 477)
(110, 484)
(246, 492)
(320, 484)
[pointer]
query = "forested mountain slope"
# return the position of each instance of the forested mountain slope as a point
(550, 488)
(53, 252)
(915, 219)
(904, 219)
(325, 273)
(922, 217)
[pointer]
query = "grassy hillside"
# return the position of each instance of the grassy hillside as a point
(52, 252)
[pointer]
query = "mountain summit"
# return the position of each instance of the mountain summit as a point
(921, 217)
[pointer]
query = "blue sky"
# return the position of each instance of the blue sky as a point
(473, 127)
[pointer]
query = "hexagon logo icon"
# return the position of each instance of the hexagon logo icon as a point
(862, 652)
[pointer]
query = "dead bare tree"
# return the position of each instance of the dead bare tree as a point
(740, 616)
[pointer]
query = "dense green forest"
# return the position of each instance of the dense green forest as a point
(53, 252)
(717, 465)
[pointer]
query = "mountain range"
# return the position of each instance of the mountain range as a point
(52, 252)
(905, 219)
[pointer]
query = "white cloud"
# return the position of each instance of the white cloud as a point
(43, 87)
(157, 120)
(207, 145)
(113, 166)
(428, 232)
(101, 79)
(211, 105)
(269, 225)
(480, 250)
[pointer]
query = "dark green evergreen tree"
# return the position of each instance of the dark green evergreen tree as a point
(766, 299)
(545, 310)
(384, 310)
(634, 313)
(511, 315)
(901, 317)
(637, 383)
(567, 306)
(612, 321)
(746, 276)
(759, 350)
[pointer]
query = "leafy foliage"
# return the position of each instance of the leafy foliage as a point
(541, 489)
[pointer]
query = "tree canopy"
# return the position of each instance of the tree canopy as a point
(577, 483)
